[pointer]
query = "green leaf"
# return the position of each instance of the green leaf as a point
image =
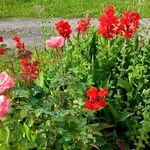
(23, 113)
(4, 147)
(1, 135)
(40, 80)
(135, 43)
(27, 131)
(115, 113)
(103, 41)
(21, 93)
(6, 135)
(31, 137)
(124, 116)
(124, 84)
(100, 141)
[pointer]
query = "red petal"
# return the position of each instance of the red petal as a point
(1, 39)
(92, 93)
(103, 103)
(103, 92)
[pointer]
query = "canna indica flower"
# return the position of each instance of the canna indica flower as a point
(19, 44)
(6, 82)
(92, 93)
(2, 51)
(109, 23)
(30, 70)
(129, 24)
(83, 25)
(1, 39)
(95, 98)
(64, 28)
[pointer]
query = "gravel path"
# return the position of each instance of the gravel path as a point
(30, 29)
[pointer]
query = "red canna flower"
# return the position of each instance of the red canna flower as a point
(17, 38)
(102, 102)
(2, 51)
(129, 24)
(95, 105)
(103, 92)
(19, 44)
(63, 28)
(1, 39)
(30, 70)
(109, 23)
(109, 10)
(22, 52)
(92, 93)
(96, 98)
(83, 25)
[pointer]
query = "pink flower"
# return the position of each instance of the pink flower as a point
(4, 106)
(55, 42)
(6, 82)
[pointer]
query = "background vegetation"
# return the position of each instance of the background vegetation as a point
(68, 8)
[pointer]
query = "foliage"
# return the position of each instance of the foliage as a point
(67, 8)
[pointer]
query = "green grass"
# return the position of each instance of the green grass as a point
(68, 8)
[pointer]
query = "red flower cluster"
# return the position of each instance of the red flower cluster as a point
(129, 24)
(111, 25)
(22, 52)
(1, 39)
(96, 98)
(2, 51)
(63, 28)
(30, 70)
(83, 25)
(108, 23)
(19, 44)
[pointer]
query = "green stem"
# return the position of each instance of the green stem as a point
(108, 47)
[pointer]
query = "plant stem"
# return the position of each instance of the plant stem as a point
(108, 47)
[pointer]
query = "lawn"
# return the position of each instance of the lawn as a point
(67, 8)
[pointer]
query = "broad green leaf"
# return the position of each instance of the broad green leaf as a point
(31, 137)
(124, 116)
(4, 147)
(115, 113)
(6, 135)
(1, 134)
(21, 93)
(40, 80)
(27, 131)
(124, 84)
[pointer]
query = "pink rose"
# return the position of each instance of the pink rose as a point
(6, 82)
(4, 106)
(55, 42)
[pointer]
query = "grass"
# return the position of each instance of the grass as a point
(67, 8)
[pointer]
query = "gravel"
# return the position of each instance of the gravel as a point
(30, 29)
